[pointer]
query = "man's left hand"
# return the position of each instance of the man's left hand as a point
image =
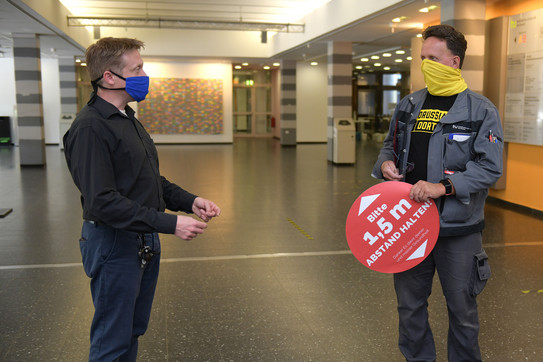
(205, 209)
(422, 191)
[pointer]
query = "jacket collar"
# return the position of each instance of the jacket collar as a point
(458, 111)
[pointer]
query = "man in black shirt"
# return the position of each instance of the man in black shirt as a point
(114, 164)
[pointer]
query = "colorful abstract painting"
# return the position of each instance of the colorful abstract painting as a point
(183, 106)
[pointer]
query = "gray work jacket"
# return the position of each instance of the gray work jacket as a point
(466, 147)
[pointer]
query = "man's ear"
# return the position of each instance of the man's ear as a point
(108, 77)
(456, 62)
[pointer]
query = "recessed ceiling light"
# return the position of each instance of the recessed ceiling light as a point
(409, 58)
(245, 64)
(376, 64)
(314, 63)
(276, 64)
(358, 67)
(364, 60)
(266, 67)
(423, 10)
(374, 57)
(237, 67)
(386, 68)
(400, 51)
(387, 55)
(398, 60)
(399, 19)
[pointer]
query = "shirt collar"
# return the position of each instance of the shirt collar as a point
(107, 109)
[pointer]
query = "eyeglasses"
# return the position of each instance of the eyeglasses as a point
(410, 165)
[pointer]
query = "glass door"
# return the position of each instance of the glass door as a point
(252, 103)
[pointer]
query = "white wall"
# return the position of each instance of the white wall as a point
(203, 71)
(311, 102)
(8, 99)
(50, 85)
(51, 96)
(196, 44)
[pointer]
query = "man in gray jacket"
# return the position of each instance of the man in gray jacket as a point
(446, 141)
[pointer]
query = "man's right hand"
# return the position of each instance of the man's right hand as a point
(188, 228)
(390, 172)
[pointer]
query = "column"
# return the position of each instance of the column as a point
(26, 54)
(288, 103)
(68, 85)
(340, 86)
(468, 17)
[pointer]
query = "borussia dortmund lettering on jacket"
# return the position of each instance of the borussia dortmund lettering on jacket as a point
(427, 120)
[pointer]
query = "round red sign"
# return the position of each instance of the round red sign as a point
(387, 231)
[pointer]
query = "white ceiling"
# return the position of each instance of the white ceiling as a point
(373, 34)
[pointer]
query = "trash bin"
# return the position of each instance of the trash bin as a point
(65, 122)
(344, 139)
(5, 131)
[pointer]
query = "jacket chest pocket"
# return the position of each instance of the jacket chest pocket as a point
(457, 151)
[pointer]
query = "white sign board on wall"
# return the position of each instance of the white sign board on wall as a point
(523, 118)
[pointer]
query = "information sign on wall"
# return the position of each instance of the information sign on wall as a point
(523, 118)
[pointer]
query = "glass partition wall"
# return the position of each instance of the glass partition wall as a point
(252, 108)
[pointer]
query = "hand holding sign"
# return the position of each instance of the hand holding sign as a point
(387, 231)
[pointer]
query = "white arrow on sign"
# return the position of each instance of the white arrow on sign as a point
(419, 253)
(365, 202)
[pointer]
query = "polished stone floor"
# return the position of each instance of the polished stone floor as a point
(272, 278)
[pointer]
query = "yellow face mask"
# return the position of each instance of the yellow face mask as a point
(442, 80)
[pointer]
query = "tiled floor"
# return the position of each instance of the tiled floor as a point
(271, 279)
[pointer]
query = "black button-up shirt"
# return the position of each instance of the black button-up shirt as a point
(114, 163)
